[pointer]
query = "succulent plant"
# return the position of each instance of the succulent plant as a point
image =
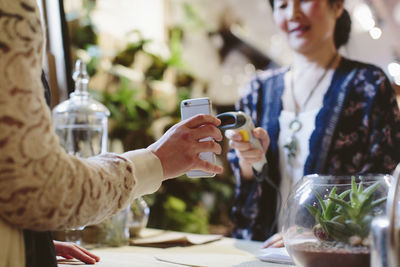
(344, 220)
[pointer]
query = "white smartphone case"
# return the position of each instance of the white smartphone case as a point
(190, 108)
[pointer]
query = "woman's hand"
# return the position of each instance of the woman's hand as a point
(245, 151)
(275, 241)
(73, 251)
(179, 148)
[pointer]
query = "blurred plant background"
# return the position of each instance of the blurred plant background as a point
(145, 56)
(142, 82)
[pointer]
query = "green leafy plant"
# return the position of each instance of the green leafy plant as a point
(344, 220)
(143, 86)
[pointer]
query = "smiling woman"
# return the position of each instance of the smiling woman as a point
(324, 114)
(328, 19)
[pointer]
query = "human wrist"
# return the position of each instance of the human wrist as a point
(245, 170)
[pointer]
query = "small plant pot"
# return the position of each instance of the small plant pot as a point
(327, 219)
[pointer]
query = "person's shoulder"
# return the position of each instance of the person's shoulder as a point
(270, 74)
(263, 79)
(364, 68)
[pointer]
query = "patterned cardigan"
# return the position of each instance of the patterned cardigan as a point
(356, 131)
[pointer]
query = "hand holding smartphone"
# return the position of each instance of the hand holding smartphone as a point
(190, 108)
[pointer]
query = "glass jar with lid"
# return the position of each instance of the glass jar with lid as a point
(81, 122)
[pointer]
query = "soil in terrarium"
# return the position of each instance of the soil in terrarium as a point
(329, 254)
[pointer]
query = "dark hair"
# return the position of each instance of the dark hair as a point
(342, 28)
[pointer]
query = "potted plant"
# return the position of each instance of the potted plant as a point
(328, 219)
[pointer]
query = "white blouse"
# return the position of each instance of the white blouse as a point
(290, 175)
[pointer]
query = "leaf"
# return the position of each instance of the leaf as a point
(314, 211)
(355, 202)
(346, 207)
(330, 206)
(365, 207)
(340, 202)
(371, 189)
(175, 204)
(354, 193)
(353, 184)
(353, 227)
(333, 192)
(344, 194)
(360, 188)
(338, 218)
(338, 231)
(320, 200)
(365, 226)
(378, 202)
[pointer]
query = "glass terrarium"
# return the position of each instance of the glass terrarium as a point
(327, 219)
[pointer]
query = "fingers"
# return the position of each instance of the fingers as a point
(79, 255)
(201, 119)
(208, 146)
(94, 256)
(251, 156)
(246, 151)
(71, 251)
(235, 139)
(241, 146)
(68, 257)
(208, 167)
(82, 254)
(263, 136)
(200, 164)
(233, 135)
(207, 130)
(277, 244)
(275, 241)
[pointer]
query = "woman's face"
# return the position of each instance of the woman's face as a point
(307, 24)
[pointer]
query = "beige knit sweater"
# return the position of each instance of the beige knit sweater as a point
(41, 187)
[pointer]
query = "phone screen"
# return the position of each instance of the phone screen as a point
(190, 108)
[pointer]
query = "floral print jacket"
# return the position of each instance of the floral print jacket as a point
(356, 131)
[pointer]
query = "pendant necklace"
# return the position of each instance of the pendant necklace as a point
(295, 125)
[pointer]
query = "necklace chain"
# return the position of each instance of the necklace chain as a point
(296, 106)
(295, 125)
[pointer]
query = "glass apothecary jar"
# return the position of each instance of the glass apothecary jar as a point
(81, 122)
(327, 219)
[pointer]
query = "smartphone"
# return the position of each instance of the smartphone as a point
(190, 108)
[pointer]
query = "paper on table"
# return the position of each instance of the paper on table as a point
(168, 237)
(276, 255)
(209, 259)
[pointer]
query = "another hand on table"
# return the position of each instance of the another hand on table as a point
(245, 151)
(73, 251)
(275, 241)
(179, 148)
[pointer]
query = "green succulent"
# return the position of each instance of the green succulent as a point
(343, 220)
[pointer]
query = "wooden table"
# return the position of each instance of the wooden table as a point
(222, 253)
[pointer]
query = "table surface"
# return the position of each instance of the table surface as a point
(225, 252)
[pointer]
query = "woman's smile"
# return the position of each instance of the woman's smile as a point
(299, 30)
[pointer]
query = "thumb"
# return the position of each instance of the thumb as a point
(263, 136)
(233, 135)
